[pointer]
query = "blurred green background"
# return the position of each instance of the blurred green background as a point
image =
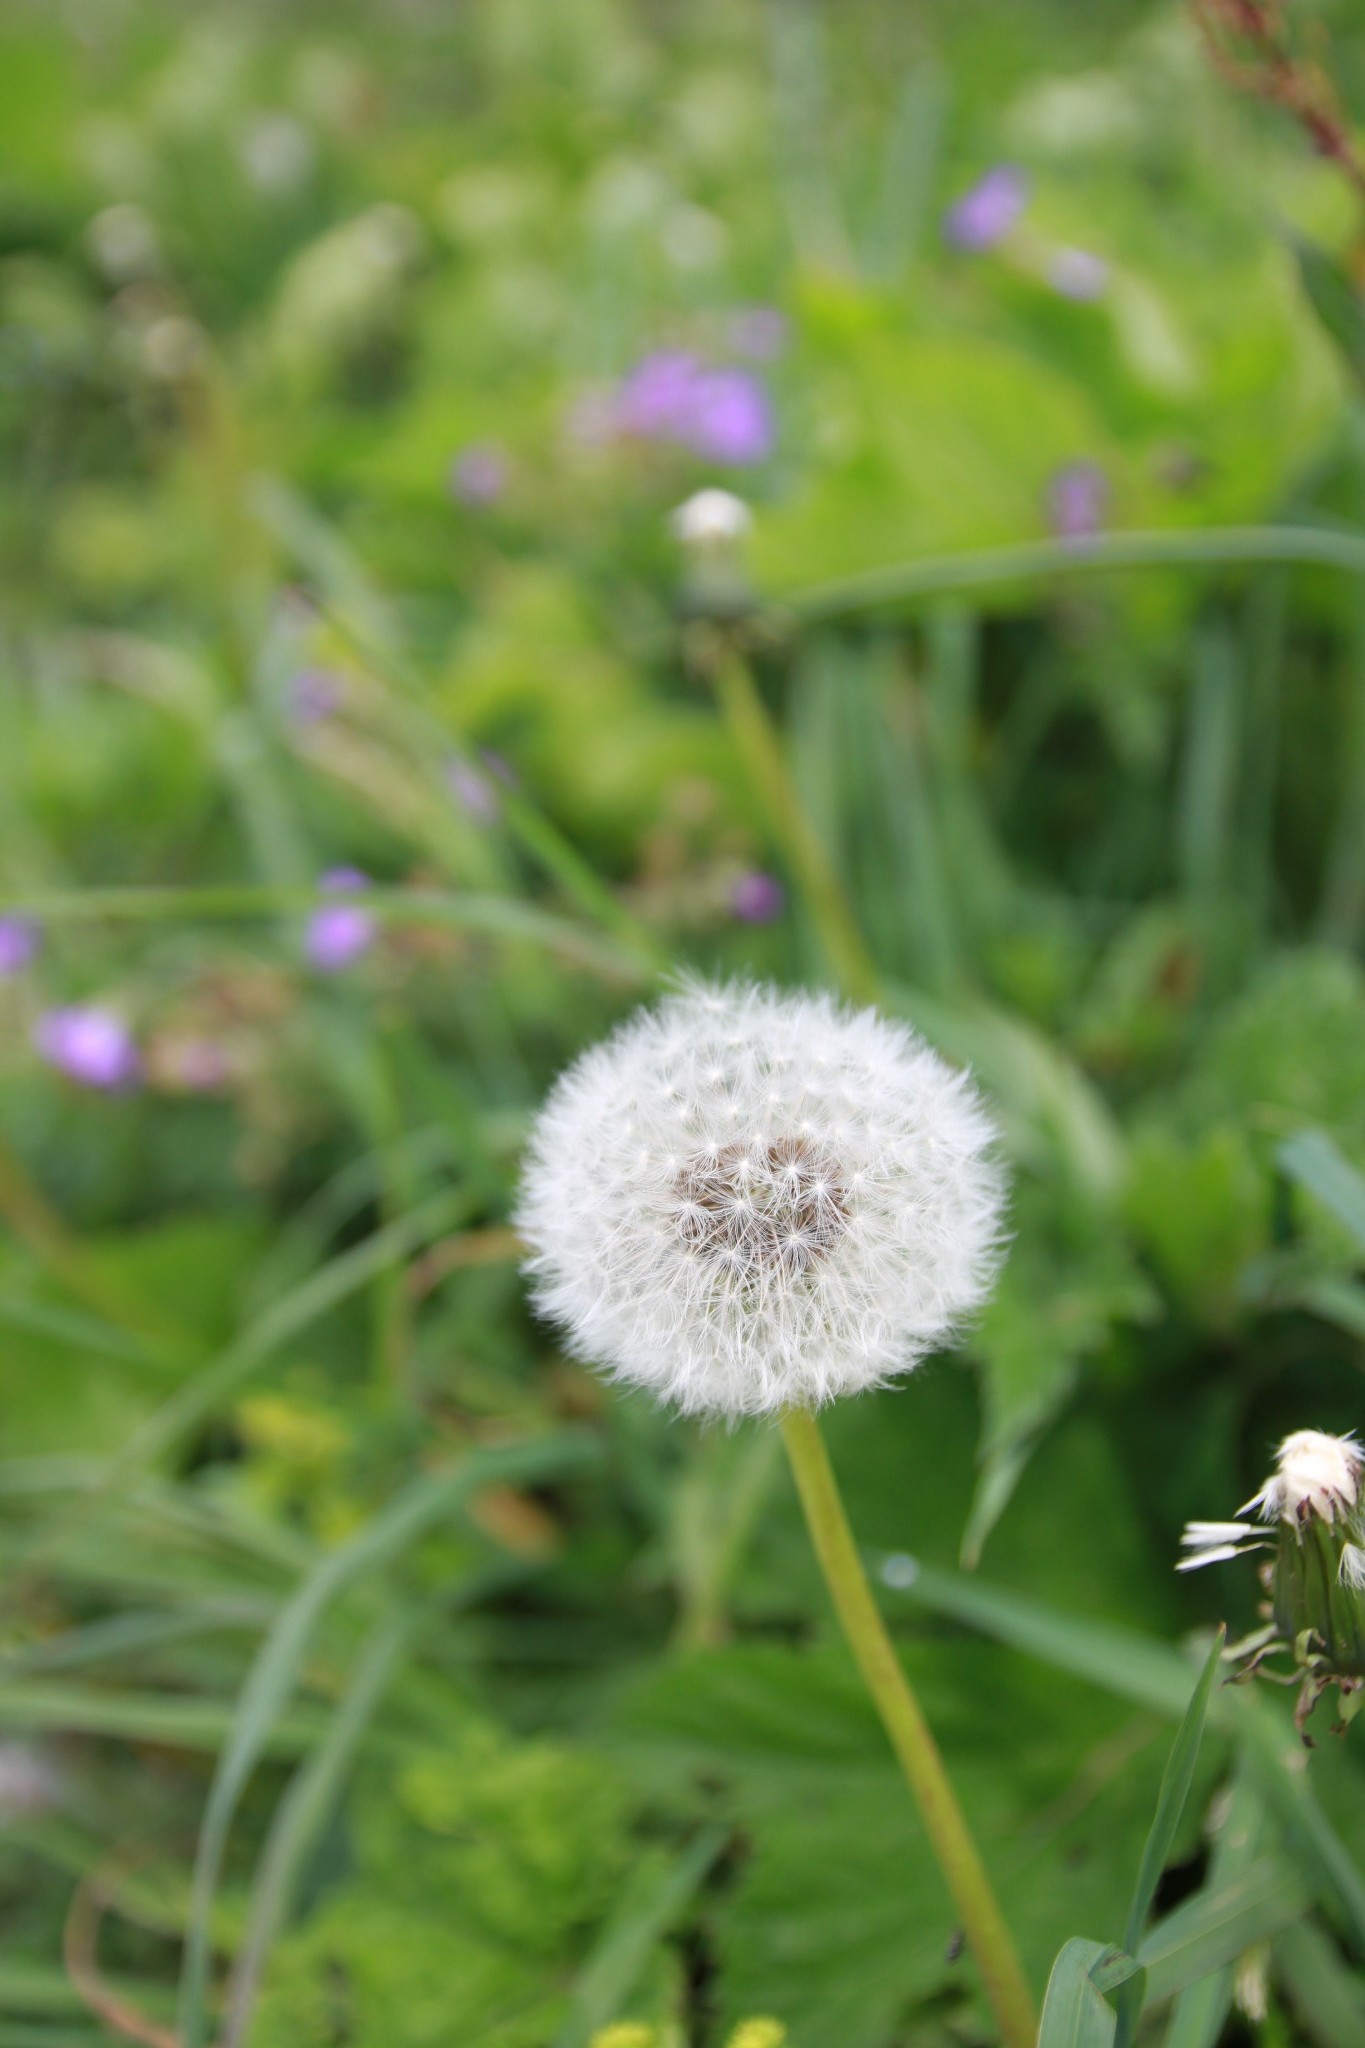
(352, 361)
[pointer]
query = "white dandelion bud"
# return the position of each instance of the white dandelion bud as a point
(1316, 1582)
(748, 1201)
(711, 518)
(1315, 1474)
(711, 526)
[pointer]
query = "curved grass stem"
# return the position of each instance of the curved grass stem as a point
(983, 1924)
(811, 867)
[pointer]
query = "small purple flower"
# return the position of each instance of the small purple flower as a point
(987, 210)
(730, 419)
(655, 400)
(1078, 274)
(478, 475)
(90, 1045)
(20, 939)
(758, 332)
(1077, 500)
(339, 933)
(757, 898)
(312, 696)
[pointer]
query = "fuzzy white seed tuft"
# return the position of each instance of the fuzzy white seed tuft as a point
(1314, 1474)
(747, 1201)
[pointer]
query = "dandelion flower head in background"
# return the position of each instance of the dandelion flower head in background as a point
(748, 1200)
(1314, 1502)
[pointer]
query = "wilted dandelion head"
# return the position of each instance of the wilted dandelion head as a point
(747, 1201)
(1314, 1474)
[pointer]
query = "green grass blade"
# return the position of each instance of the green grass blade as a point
(653, 1903)
(1176, 1780)
(1200, 2010)
(1314, 1161)
(1328, 1998)
(1027, 561)
(1077, 2012)
(1119, 1660)
(304, 1812)
(422, 1506)
(1136, 1668)
(1209, 1931)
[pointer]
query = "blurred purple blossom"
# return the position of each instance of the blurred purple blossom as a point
(731, 420)
(339, 933)
(20, 939)
(312, 696)
(479, 474)
(1077, 500)
(90, 1045)
(1077, 274)
(757, 898)
(987, 210)
(721, 414)
(759, 332)
(654, 400)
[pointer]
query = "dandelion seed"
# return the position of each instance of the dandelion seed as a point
(809, 1203)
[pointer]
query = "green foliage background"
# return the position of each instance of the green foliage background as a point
(571, 1740)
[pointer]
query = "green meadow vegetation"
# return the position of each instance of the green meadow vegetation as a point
(372, 1674)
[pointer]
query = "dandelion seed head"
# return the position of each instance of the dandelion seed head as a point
(1314, 1474)
(748, 1200)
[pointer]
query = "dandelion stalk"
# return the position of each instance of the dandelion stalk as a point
(761, 750)
(909, 1733)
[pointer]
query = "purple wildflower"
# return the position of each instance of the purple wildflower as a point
(312, 696)
(758, 332)
(1077, 500)
(90, 1045)
(478, 475)
(339, 933)
(1077, 274)
(987, 210)
(730, 419)
(20, 939)
(655, 400)
(757, 898)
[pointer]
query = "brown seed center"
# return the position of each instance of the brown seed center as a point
(761, 1210)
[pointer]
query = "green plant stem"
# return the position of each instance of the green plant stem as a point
(982, 1921)
(811, 867)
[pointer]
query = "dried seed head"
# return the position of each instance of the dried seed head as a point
(747, 1200)
(1314, 1474)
